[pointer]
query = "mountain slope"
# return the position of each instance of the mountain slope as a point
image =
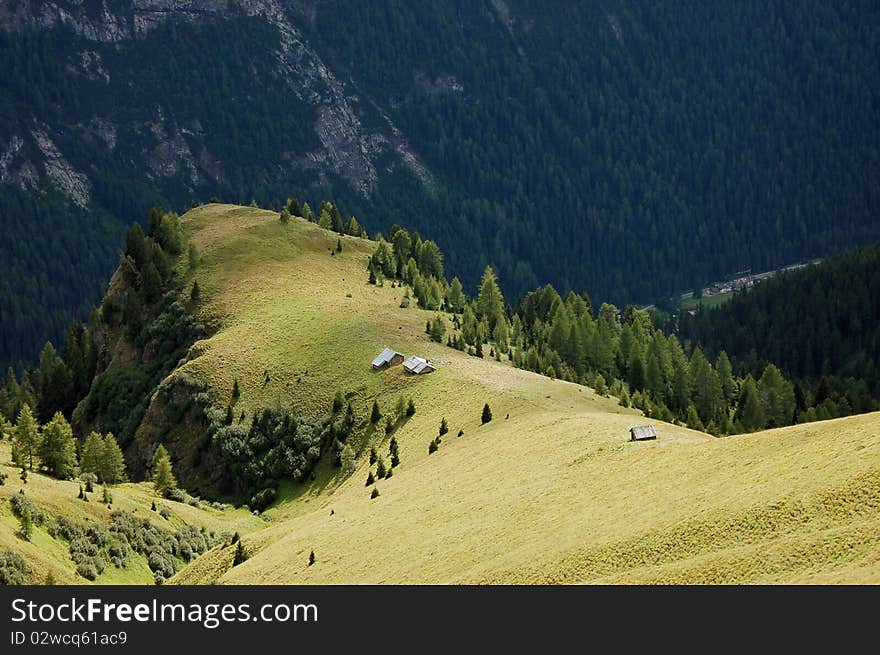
(581, 146)
(549, 491)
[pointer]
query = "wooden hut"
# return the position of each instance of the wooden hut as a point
(418, 366)
(387, 357)
(642, 433)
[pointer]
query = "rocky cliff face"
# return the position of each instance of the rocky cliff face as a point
(32, 158)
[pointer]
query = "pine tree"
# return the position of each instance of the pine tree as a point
(285, 216)
(375, 493)
(444, 427)
(380, 468)
(196, 294)
(432, 447)
(338, 245)
(373, 455)
(370, 479)
(57, 450)
(487, 414)
(26, 438)
(163, 476)
(311, 558)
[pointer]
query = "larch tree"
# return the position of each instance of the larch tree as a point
(26, 438)
(163, 476)
(112, 468)
(57, 450)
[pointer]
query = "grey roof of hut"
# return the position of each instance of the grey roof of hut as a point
(418, 365)
(385, 357)
(642, 432)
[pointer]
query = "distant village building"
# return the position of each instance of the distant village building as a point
(387, 357)
(642, 433)
(418, 366)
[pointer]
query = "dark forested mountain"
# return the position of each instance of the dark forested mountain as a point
(623, 147)
(822, 320)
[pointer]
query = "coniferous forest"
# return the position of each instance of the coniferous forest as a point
(630, 149)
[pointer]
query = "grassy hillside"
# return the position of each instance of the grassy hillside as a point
(46, 555)
(549, 491)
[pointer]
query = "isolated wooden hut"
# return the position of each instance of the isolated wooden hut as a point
(642, 433)
(387, 357)
(418, 366)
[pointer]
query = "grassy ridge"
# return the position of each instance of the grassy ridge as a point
(554, 493)
(550, 491)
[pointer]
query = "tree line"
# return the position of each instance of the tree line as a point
(616, 352)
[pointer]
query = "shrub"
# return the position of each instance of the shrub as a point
(375, 493)
(14, 569)
(461, 433)
(410, 408)
(432, 447)
(261, 500)
(165, 513)
(370, 479)
(3, 477)
(87, 569)
(65, 528)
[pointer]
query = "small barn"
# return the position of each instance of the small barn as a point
(642, 433)
(387, 357)
(418, 366)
